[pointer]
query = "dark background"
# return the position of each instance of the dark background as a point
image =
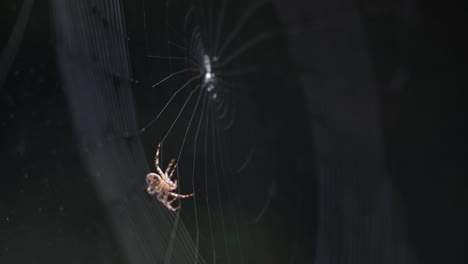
(49, 210)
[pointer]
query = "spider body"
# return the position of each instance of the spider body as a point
(161, 185)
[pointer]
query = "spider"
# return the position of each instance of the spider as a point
(160, 184)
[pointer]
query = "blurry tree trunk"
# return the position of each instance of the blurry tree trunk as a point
(359, 216)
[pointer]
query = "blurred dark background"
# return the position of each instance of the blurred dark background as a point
(50, 212)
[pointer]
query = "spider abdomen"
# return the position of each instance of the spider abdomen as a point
(167, 186)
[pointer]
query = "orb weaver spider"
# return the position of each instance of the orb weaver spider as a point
(160, 184)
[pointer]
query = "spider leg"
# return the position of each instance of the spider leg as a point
(160, 197)
(168, 204)
(172, 208)
(172, 200)
(172, 172)
(161, 173)
(180, 195)
(170, 165)
(156, 159)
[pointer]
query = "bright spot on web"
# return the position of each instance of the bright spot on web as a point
(209, 75)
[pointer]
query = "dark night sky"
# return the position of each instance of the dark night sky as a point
(416, 50)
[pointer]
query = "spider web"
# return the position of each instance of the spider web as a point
(215, 89)
(216, 108)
